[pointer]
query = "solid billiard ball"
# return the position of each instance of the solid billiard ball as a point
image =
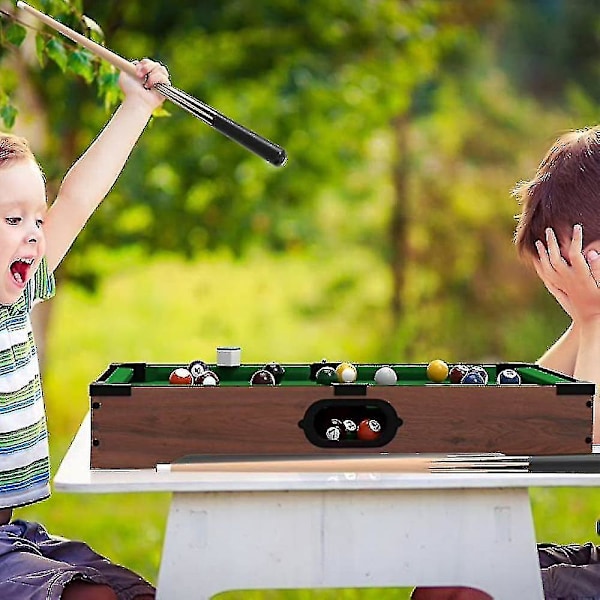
(457, 372)
(326, 376)
(277, 370)
(262, 377)
(346, 372)
(368, 430)
(385, 376)
(481, 371)
(197, 367)
(508, 377)
(207, 378)
(473, 378)
(437, 371)
(180, 376)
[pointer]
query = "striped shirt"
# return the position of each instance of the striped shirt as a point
(24, 458)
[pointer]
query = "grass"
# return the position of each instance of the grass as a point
(168, 311)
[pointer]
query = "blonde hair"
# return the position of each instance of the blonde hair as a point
(14, 148)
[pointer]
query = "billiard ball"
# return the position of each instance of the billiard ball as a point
(333, 433)
(346, 372)
(262, 377)
(368, 430)
(207, 378)
(350, 428)
(437, 371)
(326, 376)
(473, 378)
(385, 376)
(277, 370)
(197, 367)
(180, 376)
(481, 371)
(508, 377)
(457, 372)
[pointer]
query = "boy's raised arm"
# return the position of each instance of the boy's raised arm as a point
(90, 179)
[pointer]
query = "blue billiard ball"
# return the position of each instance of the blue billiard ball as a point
(473, 378)
(481, 371)
(508, 377)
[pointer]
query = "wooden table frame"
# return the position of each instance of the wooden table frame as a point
(228, 531)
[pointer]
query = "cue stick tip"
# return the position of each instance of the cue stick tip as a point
(21, 4)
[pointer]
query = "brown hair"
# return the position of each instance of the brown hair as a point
(564, 191)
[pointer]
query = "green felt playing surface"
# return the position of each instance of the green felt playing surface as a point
(136, 374)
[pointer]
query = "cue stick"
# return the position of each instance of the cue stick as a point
(250, 140)
(388, 463)
(383, 463)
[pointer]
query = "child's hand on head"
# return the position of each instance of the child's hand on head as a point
(593, 261)
(149, 73)
(573, 280)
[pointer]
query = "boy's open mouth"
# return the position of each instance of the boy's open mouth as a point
(19, 269)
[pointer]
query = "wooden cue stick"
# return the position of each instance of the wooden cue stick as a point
(101, 51)
(378, 464)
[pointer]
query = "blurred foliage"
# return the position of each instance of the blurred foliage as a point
(406, 124)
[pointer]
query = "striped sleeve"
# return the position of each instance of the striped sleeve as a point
(41, 287)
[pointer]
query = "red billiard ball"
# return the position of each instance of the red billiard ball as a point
(262, 377)
(368, 430)
(457, 372)
(180, 376)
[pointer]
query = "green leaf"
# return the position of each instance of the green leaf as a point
(40, 49)
(57, 52)
(81, 63)
(96, 32)
(15, 34)
(8, 113)
(108, 88)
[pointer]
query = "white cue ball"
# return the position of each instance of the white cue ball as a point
(349, 375)
(385, 376)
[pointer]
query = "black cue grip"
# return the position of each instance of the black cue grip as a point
(271, 152)
(577, 463)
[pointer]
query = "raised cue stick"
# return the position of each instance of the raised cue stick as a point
(250, 140)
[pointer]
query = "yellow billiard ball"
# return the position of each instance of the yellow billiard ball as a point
(437, 371)
(346, 372)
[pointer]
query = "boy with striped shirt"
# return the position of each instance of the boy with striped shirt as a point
(33, 240)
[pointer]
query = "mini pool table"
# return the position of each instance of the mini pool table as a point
(140, 420)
